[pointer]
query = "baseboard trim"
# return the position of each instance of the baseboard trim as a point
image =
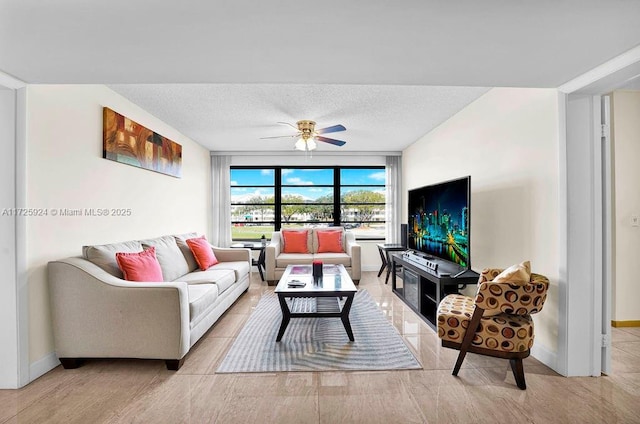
(616, 324)
(546, 356)
(42, 366)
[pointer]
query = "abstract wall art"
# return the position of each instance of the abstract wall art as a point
(128, 142)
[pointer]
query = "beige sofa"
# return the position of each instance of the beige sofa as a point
(276, 261)
(98, 314)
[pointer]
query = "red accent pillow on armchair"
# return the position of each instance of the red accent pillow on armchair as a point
(141, 266)
(201, 250)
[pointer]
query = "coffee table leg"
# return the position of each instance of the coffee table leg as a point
(286, 317)
(344, 316)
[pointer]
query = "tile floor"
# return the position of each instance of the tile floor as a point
(143, 391)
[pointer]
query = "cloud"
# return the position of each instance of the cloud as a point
(379, 176)
(243, 194)
(234, 183)
(287, 171)
(298, 181)
(266, 172)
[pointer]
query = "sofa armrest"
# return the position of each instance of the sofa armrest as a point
(272, 251)
(352, 248)
(95, 314)
(228, 254)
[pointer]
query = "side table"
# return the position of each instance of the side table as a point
(385, 250)
(259, 263)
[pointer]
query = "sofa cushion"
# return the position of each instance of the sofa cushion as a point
(104, 255)
(241, 268)
(285, 259)
(223, 278)
(329, 241)
(333, 258)
(203, 252)
(295, 241)
(140, 266)
(181, 241)
(201, 298)
(171, 259)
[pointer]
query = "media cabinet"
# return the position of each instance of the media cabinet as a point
(423, 288)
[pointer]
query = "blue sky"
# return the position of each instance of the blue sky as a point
(310, 179)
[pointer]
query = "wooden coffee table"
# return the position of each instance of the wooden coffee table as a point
(320, 299)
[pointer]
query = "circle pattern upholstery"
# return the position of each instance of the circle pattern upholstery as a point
(506, 324)
(499, 332)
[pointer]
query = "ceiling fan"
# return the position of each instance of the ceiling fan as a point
(307, 135)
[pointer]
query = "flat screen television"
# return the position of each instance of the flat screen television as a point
(439, 221)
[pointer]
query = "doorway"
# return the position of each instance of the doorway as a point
(625, 229)
(591, 270)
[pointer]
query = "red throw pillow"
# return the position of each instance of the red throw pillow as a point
(141, 266)
(201, 250)
(295, 241)
(329, 241)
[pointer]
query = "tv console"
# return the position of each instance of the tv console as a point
(426, 281)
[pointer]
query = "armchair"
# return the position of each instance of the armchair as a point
(496, 323)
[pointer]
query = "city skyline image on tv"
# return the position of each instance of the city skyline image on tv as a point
(438, 223)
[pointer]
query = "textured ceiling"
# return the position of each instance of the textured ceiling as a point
(358, 63)
(235, 116)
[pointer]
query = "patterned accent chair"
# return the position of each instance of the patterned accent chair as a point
(496, 323)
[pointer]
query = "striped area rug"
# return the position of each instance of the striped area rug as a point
(318, 344)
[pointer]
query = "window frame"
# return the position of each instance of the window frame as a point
(337, 188)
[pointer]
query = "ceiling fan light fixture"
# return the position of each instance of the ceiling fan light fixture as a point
(311, 144)
(300, 145)
(305, 144)
(308, 136)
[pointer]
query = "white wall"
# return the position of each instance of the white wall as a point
(626, 146)
(8, 294)
(508, 141)
(65, 169)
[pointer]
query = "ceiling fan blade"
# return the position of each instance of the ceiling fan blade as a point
(334, 128)
(280, 136)
(331, 141)
(291, 125)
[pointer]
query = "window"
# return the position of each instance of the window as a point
(266, 199)
(252, 203)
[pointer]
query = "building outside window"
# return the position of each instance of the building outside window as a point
(267, 199)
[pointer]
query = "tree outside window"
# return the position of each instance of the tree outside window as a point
(271, 198)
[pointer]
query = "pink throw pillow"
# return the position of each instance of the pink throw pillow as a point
(141, 266)
(203, 253)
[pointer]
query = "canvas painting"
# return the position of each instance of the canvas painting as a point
(126, 141)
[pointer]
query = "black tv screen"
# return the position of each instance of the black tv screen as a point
(439, 223)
